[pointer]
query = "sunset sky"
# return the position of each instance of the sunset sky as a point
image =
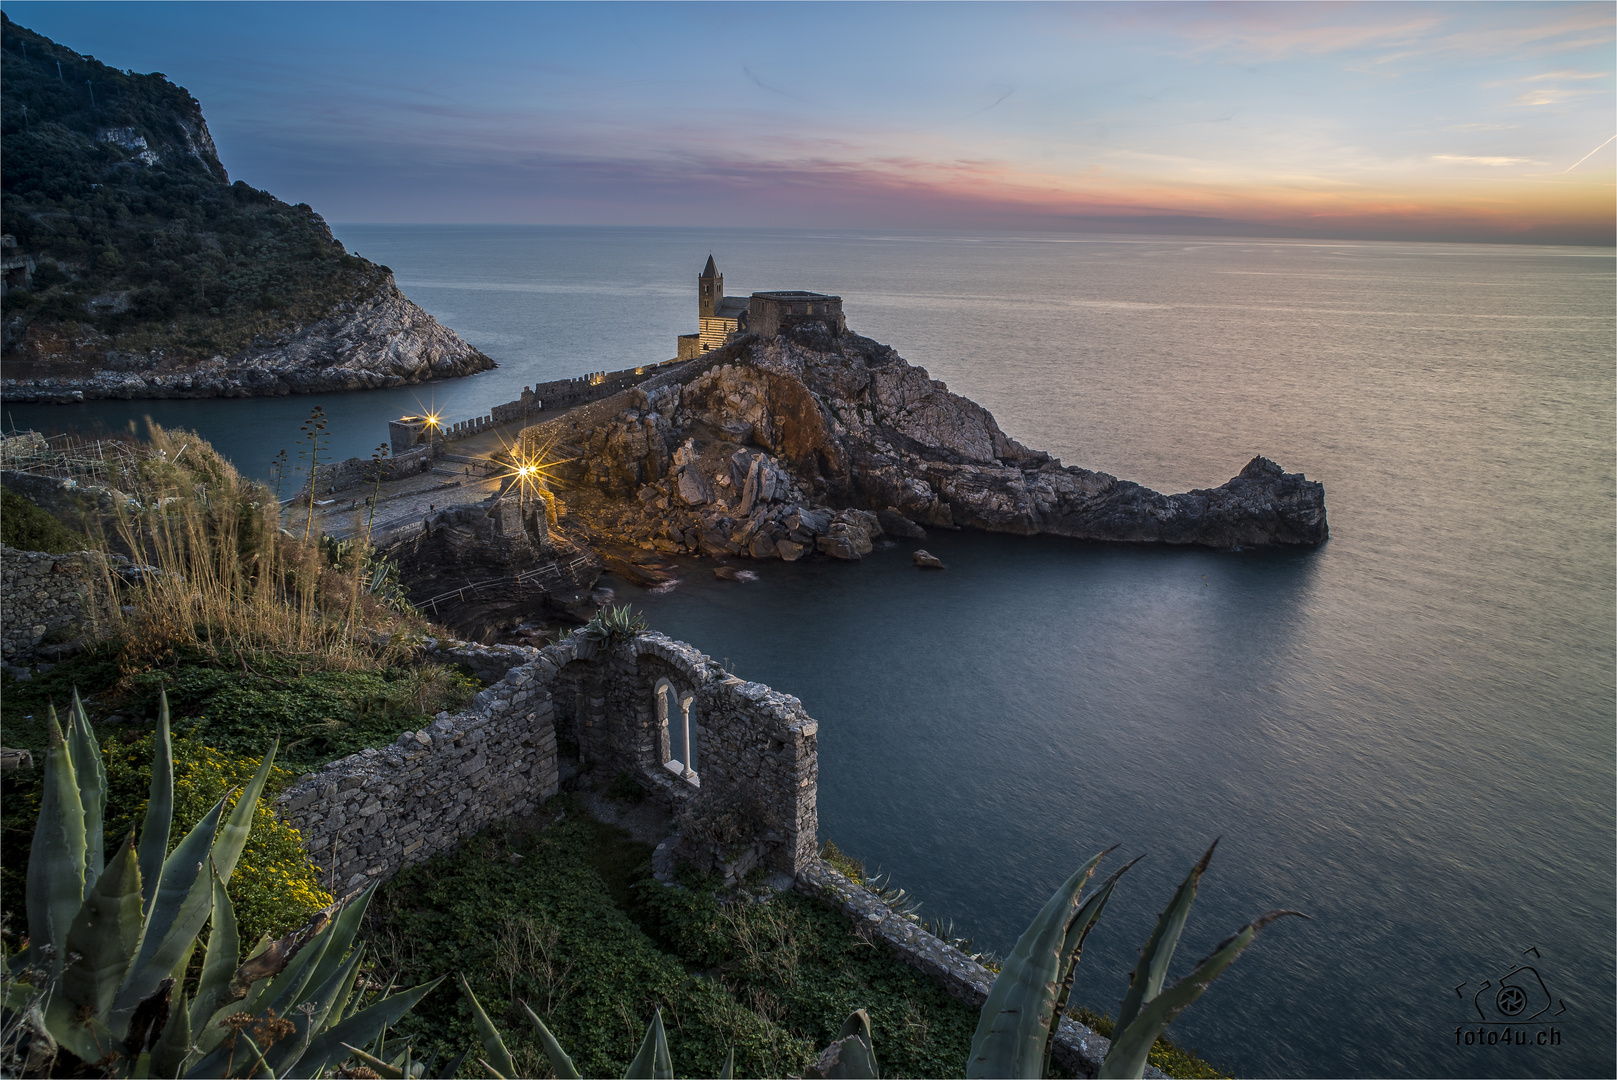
(1422, 121)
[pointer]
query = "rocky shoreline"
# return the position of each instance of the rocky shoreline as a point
(816, 441)
(382, 341)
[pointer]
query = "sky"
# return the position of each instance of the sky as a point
(1450, 121)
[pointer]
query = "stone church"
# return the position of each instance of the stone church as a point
(765, 313)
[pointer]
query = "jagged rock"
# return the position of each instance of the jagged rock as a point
(693, 488)
(727, 573)
(926, 560)
(789, 550)
(895, 524)
(386, 340)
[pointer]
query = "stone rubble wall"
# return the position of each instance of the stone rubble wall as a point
(1078, 1048)
(42, 594)
(371, 814)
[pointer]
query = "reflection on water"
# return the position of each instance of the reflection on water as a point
(1407, 733)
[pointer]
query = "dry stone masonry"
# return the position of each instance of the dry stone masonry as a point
(44, 595)
(750, 801)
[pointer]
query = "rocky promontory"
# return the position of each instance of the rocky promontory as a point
(382, 340)
(134, 268)
(823, 441)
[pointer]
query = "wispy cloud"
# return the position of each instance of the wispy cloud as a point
(1494, 162)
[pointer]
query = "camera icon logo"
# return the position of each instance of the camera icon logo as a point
(1519, 996)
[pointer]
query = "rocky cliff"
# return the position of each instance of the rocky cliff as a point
(380, 340)
(817, 441)
(134, 268)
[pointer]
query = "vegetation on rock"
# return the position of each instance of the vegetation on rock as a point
(27, 527)
(113, 186)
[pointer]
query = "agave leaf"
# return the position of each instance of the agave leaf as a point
(1089, 913)
(181, 907)
(652, 1062)
(849, 1058)
(233, 836)
(311, 1019)
(492, 1071)
(1152, 970)
(105, 935)
(286, 989)
(492, 1043)
(560, 1063)
(380, 1067)
(1015, 1021)
(727, 1071)
(90, 1041)
(56, 859)
(91, 773)
(343, 930)
(219, 962)
(168, 1056)
(325, 1002)
(453, 1067)
(359, 1029)
(159, 809)
(1132, 1045)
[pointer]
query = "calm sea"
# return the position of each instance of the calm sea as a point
(1408, 733)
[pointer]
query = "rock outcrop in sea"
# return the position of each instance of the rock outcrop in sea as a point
(811, 440)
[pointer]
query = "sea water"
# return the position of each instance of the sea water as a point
(1406, 733)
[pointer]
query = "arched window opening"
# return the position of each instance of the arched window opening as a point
(678, 737)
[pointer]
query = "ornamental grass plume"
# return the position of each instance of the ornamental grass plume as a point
(215, 570)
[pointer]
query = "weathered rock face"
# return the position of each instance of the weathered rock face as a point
(383, 341)
(813, 442)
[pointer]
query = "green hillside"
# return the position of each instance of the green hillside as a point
(112, 188)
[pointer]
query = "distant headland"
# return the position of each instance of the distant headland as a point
(134, 268)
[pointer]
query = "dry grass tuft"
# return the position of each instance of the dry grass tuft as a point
(218, 573)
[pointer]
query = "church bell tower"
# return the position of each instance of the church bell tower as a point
(709, 290)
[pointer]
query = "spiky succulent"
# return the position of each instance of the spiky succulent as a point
(109, 944)
(614, 625)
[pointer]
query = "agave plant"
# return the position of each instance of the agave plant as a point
(1016, 1031)
(653, 1062)
(109, 944)
(614, 625)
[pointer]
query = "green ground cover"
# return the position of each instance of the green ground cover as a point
(567, 918)
(27, 527)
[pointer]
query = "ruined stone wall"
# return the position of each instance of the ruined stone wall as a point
(371, 814)
(757, 749)
(44, 595)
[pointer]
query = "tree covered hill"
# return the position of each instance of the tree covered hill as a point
(127, 249)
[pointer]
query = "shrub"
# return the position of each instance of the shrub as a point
(28, 527)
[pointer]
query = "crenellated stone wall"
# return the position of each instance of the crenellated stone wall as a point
(373, 813)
